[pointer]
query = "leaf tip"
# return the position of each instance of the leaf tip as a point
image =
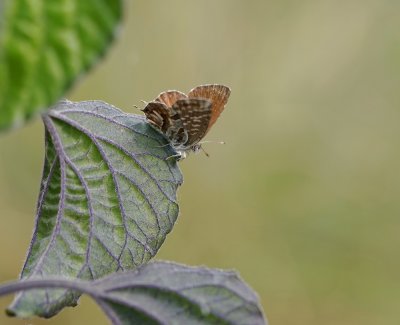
(10, 313)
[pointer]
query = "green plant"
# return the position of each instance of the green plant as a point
(108, 194)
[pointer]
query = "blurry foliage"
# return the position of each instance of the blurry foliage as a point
(45, 47)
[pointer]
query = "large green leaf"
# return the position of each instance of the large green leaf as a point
(45, 46)
(167, 293)
(106, 203)
(164, 293)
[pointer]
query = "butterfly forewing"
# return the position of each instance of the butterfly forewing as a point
(170, 97)
(217, 94)
(158, 115)
(195, 116)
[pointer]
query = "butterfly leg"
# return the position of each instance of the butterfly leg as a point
(179, 156)
(164, 145)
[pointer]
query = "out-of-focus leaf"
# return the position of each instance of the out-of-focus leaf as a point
(106, 203)
(45, 46)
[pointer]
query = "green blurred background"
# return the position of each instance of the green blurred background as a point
(303, 198)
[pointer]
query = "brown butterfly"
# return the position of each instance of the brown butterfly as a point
(186, 119)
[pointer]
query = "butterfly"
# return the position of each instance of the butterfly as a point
(186, 119)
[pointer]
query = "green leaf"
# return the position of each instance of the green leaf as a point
(45, 46)
(164, 293)
(107, 199)
(167, 293)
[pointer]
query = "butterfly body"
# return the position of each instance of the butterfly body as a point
(186, 119)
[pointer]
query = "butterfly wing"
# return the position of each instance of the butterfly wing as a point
(217, 94)
(158, 114)
(170, 97)
(195, 116)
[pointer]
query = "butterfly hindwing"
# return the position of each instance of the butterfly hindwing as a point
(195, 116)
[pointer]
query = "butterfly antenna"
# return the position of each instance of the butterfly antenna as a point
(205, 152)
(141, 109)
(211, 141)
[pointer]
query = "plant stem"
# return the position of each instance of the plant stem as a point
(78, 285)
